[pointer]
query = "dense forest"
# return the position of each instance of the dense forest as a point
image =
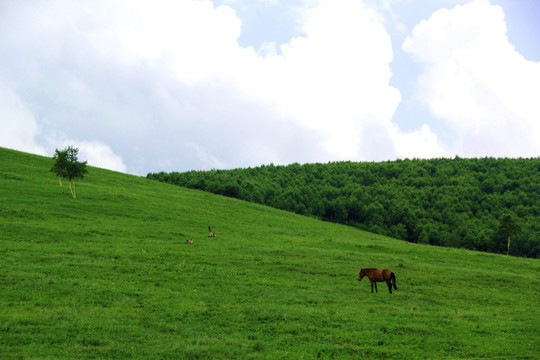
(445, 202)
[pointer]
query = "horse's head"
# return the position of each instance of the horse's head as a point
(361, 275)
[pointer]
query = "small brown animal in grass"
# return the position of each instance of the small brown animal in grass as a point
(190, 240)
(376, 275)
(212, 234)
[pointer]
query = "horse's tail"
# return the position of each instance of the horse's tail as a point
(393, 278)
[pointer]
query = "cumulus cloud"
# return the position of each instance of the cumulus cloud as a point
(334, 79)
(422, 143)
(475, 81)
(99, 155)
(19, 130)
(167, 83)
(18, 127)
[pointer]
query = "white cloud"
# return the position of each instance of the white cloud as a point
(476, 82)
(422, 143)
(335, 79)
(99, 155)
(134, 74)
(18, 127)
(144, 85)
(19, 130)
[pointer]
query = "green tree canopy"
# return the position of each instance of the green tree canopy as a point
(67, 166)
(507, 227)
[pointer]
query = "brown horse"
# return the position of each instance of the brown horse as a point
(376, 275)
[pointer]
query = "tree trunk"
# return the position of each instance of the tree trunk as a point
(60, 180)
(72, 189)
(508, 247)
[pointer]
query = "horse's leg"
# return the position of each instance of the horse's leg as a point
(389, 285)
(371, 285)
(376, 290)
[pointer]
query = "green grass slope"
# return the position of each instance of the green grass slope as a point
(109, 275)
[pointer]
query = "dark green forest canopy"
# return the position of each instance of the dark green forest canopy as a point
(446, 202)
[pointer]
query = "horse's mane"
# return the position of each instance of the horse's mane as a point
(369, 269)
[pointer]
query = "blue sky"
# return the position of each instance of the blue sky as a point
(177, 85)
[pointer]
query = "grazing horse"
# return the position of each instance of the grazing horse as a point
(376, 275)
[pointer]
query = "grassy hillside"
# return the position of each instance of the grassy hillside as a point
(109, 275)
(446, 202)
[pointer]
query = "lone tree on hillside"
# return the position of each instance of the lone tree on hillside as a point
(508, 227)
(68, 167)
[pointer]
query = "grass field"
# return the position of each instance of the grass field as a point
(109, 276)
